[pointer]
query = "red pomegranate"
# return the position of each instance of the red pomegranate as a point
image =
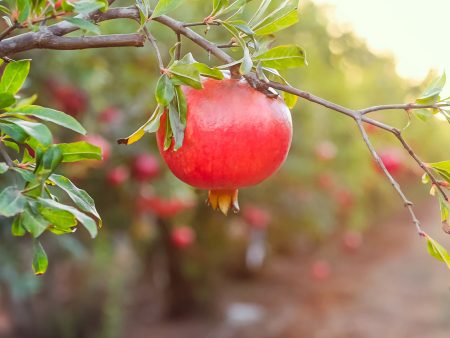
(256, 217)
(235, 137)
(163, 208)
(145, 167)
(391, 159)
(68, 98)
(182, 236)
(117, 176)
(320, 270)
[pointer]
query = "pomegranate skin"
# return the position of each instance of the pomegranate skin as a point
(235, 136)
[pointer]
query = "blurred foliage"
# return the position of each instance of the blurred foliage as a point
(327, 184)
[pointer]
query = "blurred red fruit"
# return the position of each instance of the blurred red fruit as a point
(325, 181)
(371, 129)
(351, 240)
(163, 208)
(325, 150)
(69, 99)
(391, 159)
(100, 142)
(182, 236)
(256, 217)
(145, 167)
(320, 270)
(117, 176)
(109, 115)
(344, 198)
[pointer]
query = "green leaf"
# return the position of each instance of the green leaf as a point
(11, 145)
(181, 104)
(443, 168)
(218, 5)
(84, 219)
(40, 260)
(12, 202)
(237, 6)
(168, 135)
(87, 6)
(260, 11)
(144, 10)
(48, 162)
(36, 130)
(164, 90)
(16, 227)
(3, 167)
(422, 114)
(51, 115)
(15, 132)
(6, 100)
(150, 126)
(205, 70)
(437, 251)
(24, 8)
(283, 57)
(165, 6)
(247, 63)
(431, 94)
(78, 151)
(26, 175)
(288, 98)
(177, 126)
(14, 76)
(61, 221)
(84, 24)
(277, 23)
(34, 223)
(80, 197)
(186, 74)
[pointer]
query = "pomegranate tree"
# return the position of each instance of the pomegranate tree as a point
(235, 137)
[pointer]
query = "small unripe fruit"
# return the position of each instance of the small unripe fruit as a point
(145, 167)
(182, 236)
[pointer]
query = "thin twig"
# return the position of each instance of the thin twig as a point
(152, 40)
(8, 31)
(195, 24)
(408, 204)
(407, 106)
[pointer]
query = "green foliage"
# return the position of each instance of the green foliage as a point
(31, 202)
(437, 251)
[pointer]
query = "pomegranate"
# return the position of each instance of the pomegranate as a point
(68, 98)
(110, 115)
(391, 159)
(235, 137)
(320, 270)
(256, 217)
(351, 240)
(117, 176)
(182, 236)
(163, 208)
(325, 151)
(144, 167)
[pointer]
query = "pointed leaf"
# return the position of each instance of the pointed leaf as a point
(78, 151)
(40, 260)
(431, 94)
(277, 23)
(12, 202)
(282, 57)
(165, 6)
(164, 90)
(14, 76)
(84, 24)
(51, 115)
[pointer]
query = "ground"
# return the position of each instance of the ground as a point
(389, 287)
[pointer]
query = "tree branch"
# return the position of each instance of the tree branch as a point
(6, 156)
(407, 106)
(28, 41)
(113, 40)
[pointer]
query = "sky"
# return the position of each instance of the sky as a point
(415, 32)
